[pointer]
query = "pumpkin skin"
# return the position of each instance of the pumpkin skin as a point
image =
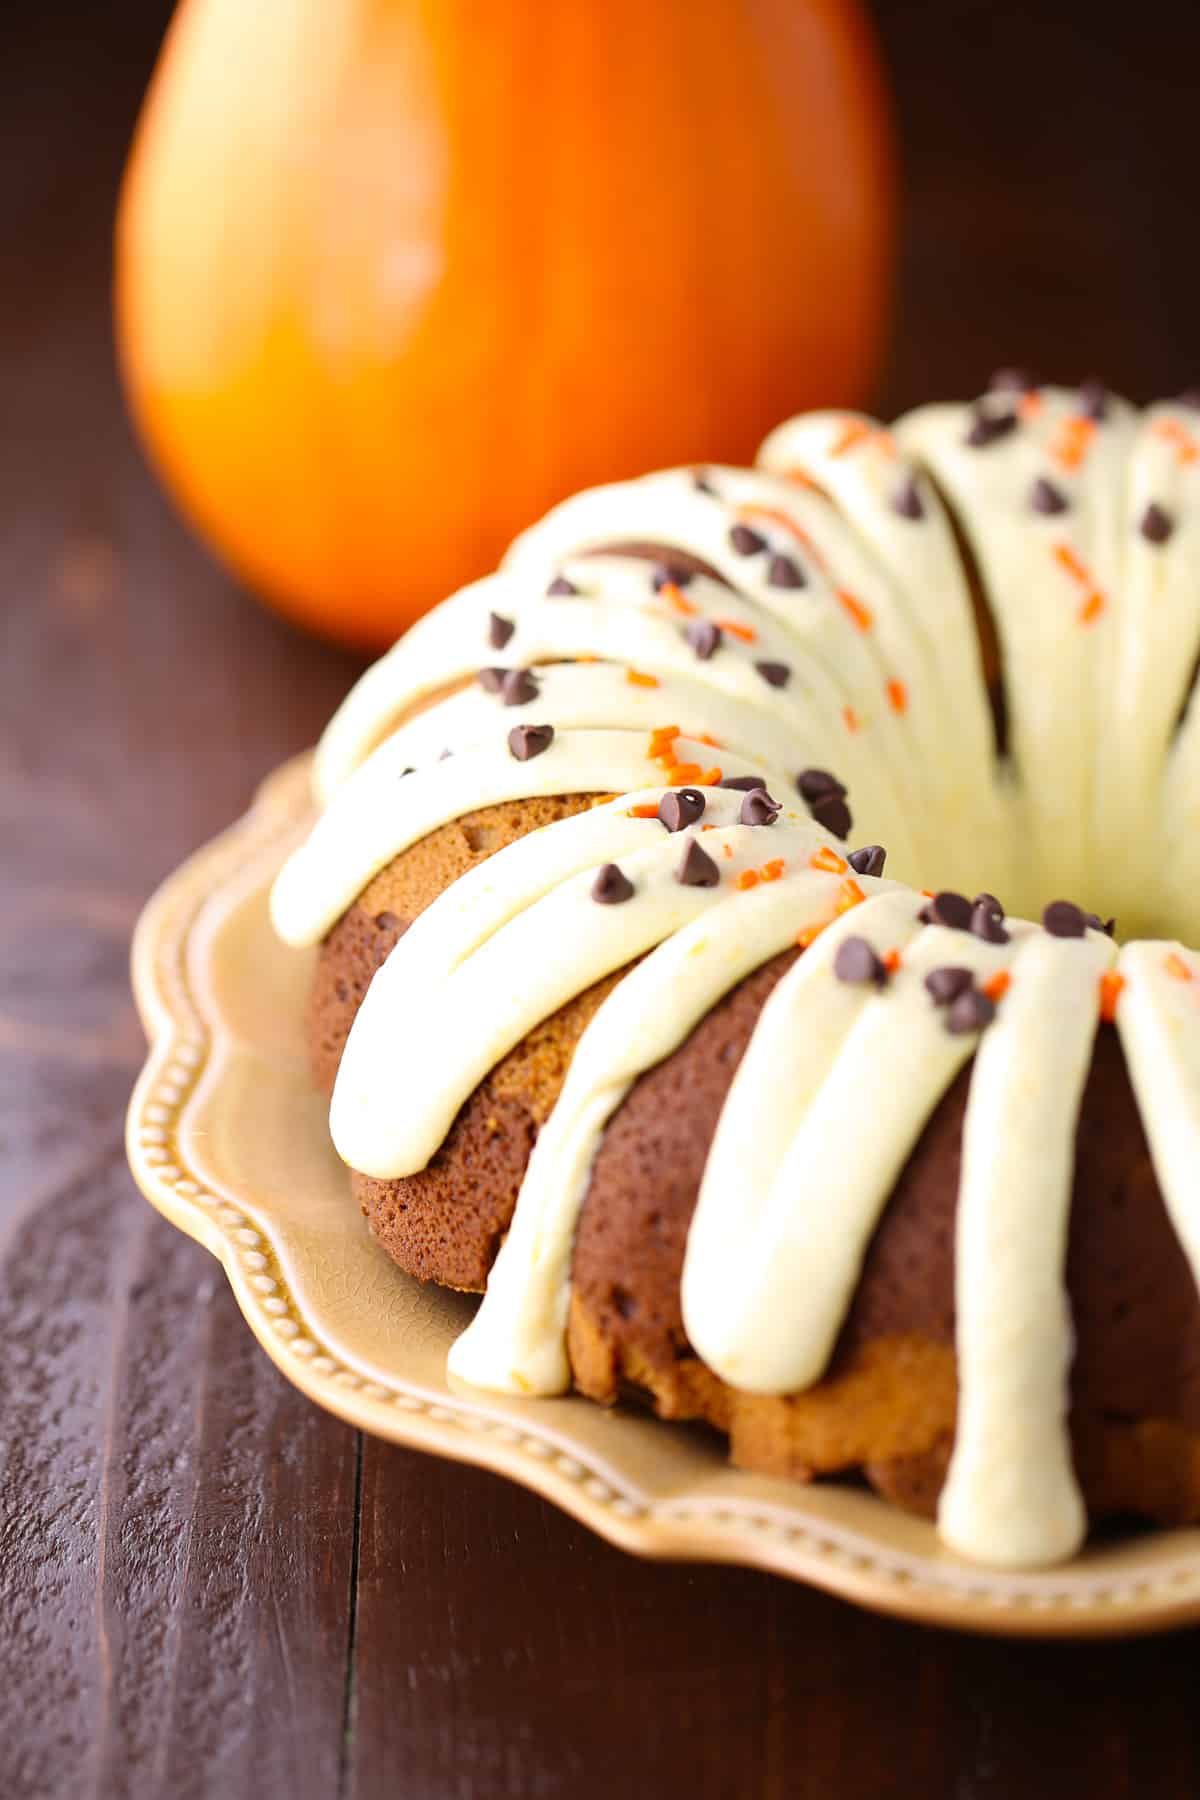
(393, 276)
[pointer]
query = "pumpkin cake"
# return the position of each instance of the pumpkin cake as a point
(629, 1018)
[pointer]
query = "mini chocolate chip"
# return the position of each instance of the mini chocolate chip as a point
(948, 909)
(528, 741)
(560, 585)
(702, 483)
(984, 898)
(812, 783)
(680, 807)
(519, 688)
(988, 428)
(500, 630)
(387, 921)
(409, 771)
(869, 860)
(906, 499)
(1012, 381)
(775, 674)
(1046, 498)
(947, 983)
(1093, 399)
(743, 782)
(985, 923)
(1062, 918)
(785, 572)
(671, 575)
(1156, 524)
(972, 1011)
(747, 542)
(704, 637)
(492, 680)
(611, 886)
(831, 811)
(697, 868)
(758, 808)
(857, 963)
(1107, 926)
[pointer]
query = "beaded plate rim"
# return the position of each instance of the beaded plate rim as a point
(844, 1543)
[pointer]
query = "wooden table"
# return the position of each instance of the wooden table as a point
(210, 1588)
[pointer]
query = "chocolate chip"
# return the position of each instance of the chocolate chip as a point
(812, 783)
(857, 963)
(906, 499)
(500, 630)
(560, 585)
(951, 910)
(988, 428)
(697, 868)
(702, 483)
(785, 572)
(1156, 524)
(492, 680)
(985, 899)
(775, 674)
(704, 637)
(518, 688)
(611, 886)
(1062, 918)
(671, 575)
(869, 860)
(1046, 498)
(947, 983)
(972, 1011)
(831, 811)
(743, 782)
(985, 922)
(680, 807)
(1012, 381)
(409, 771)
(747, 542)
(758, 808)
(1093, 399)
(528, 741)
(1107, 926)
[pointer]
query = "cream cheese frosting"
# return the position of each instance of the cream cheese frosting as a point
(804, 625)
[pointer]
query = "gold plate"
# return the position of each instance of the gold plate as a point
(228, 1140)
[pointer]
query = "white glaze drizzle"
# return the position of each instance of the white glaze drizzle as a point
(1099, 621)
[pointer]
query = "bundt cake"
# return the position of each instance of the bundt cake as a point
(625, 1022)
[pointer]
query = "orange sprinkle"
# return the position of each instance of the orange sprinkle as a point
(854, 431)
(635, 678)
(1176, 966)
(1030, 404)
(662, 739)
(711, 777)
(801, 478)
(850, 718)
(891, 961)
(749, 878)
(603, 799)
(682, 774)
(645, 811)
(1066, 559)
(849, 894)
(1072, 441)
(810, 934)
(586, 656)
(774, 869)
(726, 849)
(1110, 992)
(1092, 607)
(897, 695)
(674, 596)
(1172, 432)
(712, 742)
(746, 634)
(998, 985)
(860, 614)
(829, 860)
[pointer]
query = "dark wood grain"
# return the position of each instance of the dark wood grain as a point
(207, 1587)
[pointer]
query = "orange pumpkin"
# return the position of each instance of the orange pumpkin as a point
(395, 275)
